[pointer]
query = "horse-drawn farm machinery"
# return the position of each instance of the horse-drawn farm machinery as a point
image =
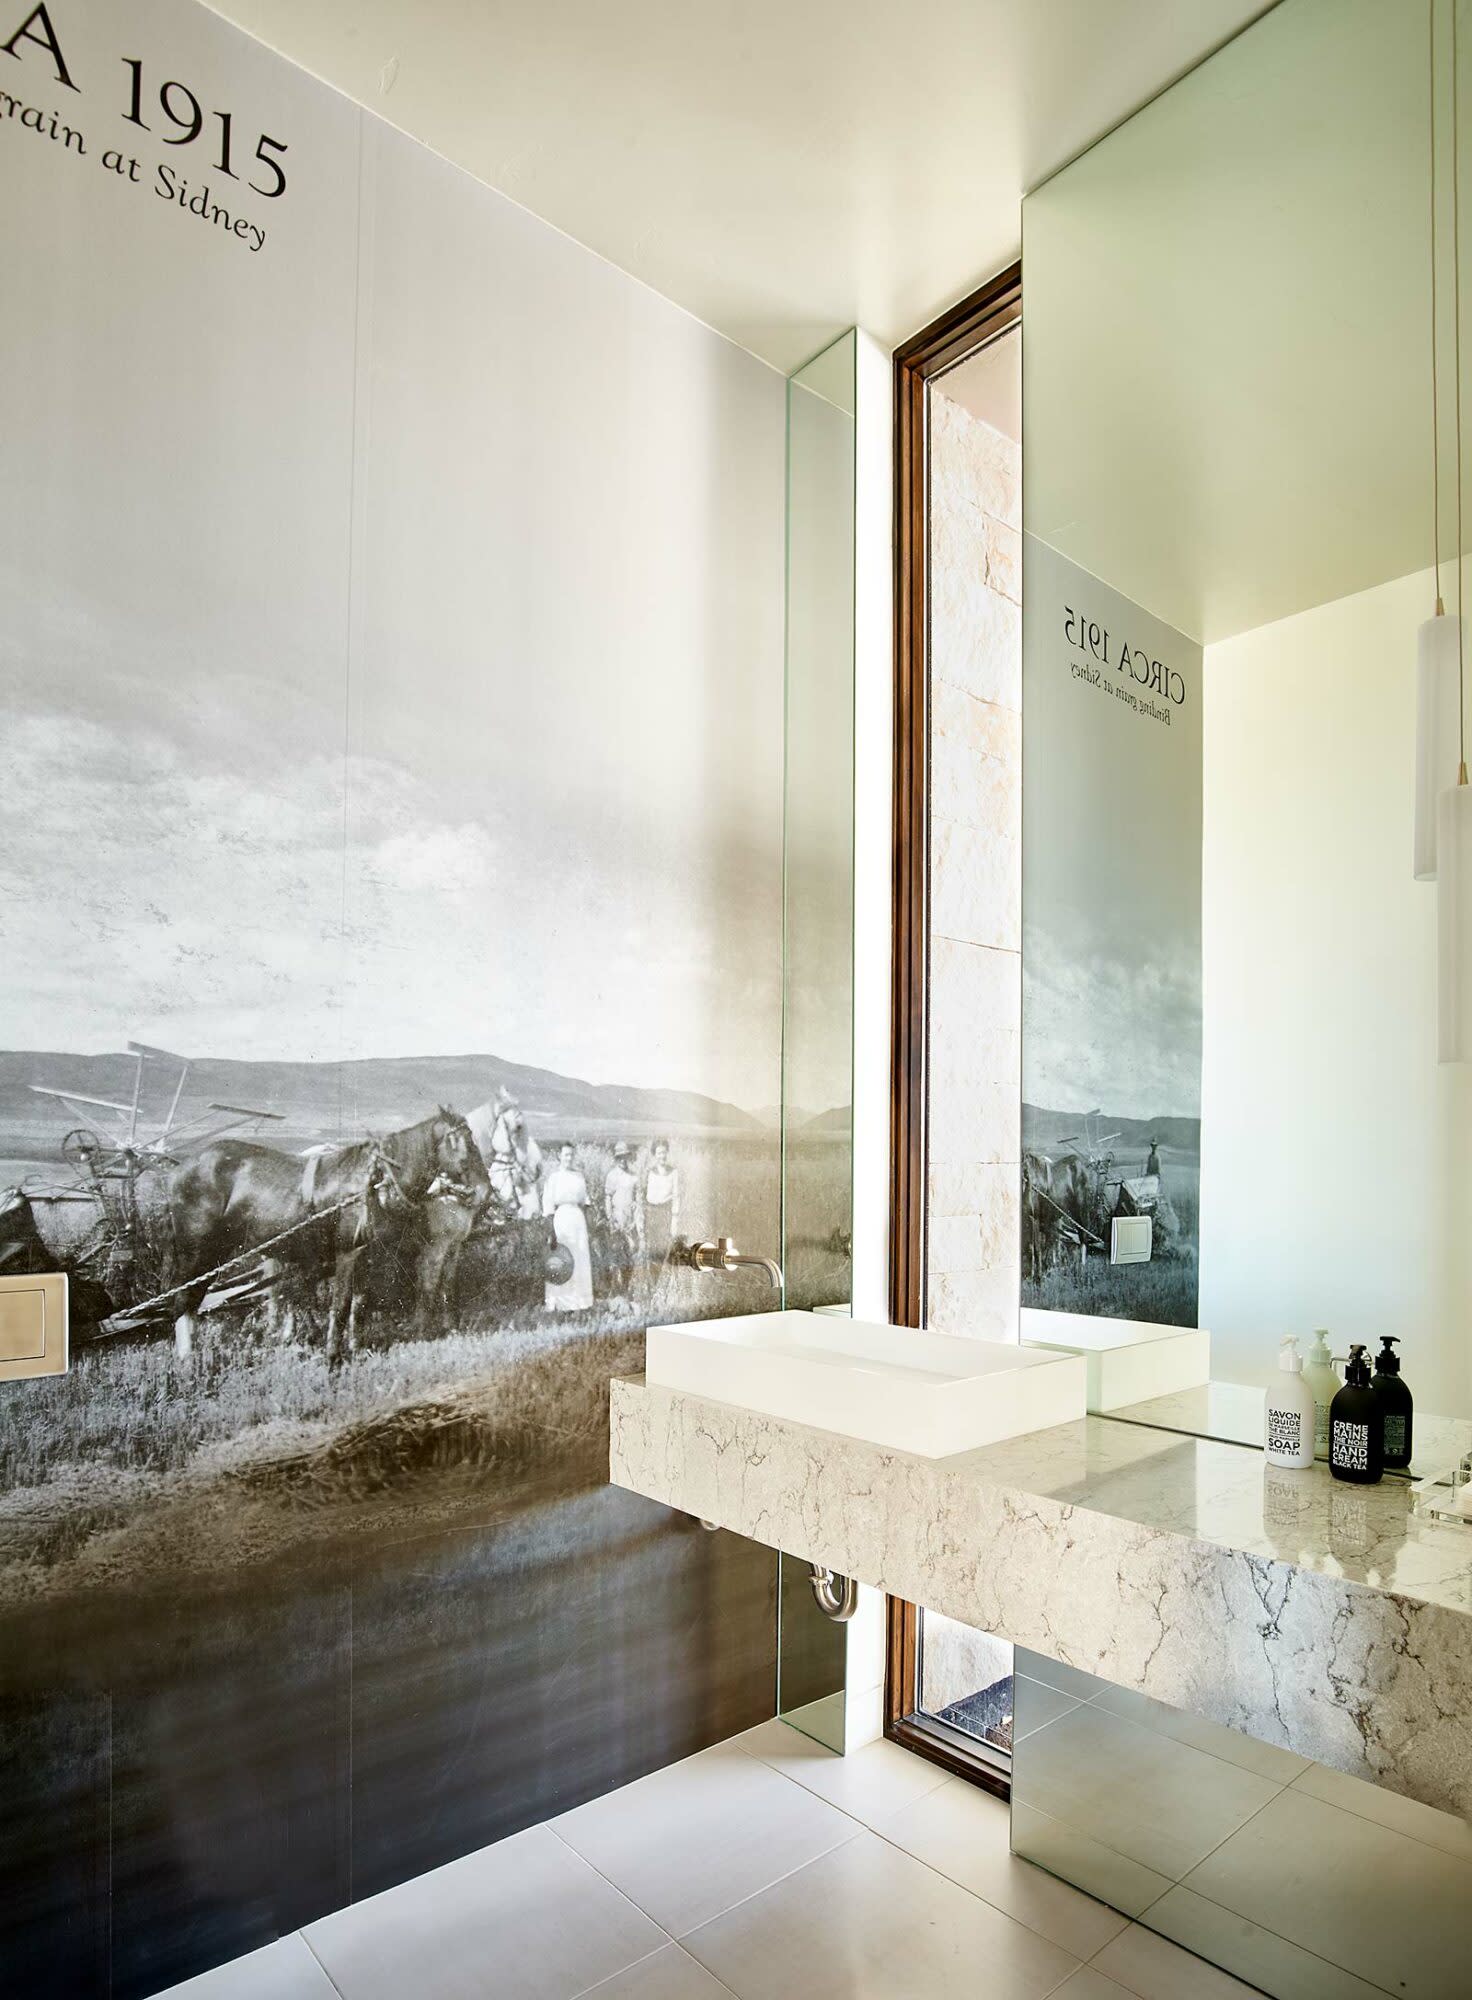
(1076, 1202)
(118, 1250)
(163, 1216)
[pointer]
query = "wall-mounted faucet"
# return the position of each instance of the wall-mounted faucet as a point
(722, 1255)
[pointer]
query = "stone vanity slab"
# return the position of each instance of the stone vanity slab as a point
(1328, 1618)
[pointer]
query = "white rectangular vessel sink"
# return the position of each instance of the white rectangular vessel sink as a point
(928, 1393)
(1129, 1360)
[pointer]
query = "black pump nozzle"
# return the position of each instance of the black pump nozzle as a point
(1357, 1368)
(1387, 1361)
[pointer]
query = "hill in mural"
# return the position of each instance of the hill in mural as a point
(1044, 1130)
(323, 1099)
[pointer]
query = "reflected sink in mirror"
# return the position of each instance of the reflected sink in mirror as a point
(927, 1393)
(1128, 1359)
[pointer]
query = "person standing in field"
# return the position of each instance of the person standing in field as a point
(661, 1209)
(564, 1199)
(621, 1211)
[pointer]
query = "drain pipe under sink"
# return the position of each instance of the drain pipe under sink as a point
(837, 1597)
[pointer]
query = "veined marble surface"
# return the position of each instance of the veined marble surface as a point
(1325, 1617)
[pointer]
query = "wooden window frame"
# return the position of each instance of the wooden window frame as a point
(977, 320)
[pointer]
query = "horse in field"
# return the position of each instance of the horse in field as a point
(345, 1212)
(1059, 1203)
(512, 1156)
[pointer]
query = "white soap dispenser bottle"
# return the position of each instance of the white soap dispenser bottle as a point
(1290, 1411)
(1322, 1378)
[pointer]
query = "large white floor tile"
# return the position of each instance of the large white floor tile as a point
(1155, 1800)
(1260, 1956)
(1268, 1760)
(285, 1970)
(871, 1785)
(1156, 1969)
(526, 1918)
(963, 1832)
(867, 1922)
(670, 1974)
(691, 1840)
(1086, 1984)
(1393, 1910)
(1438, 1829)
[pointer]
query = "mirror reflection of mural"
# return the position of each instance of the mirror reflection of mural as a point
(391, 980)
(1111, 960)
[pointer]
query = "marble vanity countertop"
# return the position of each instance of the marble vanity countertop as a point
(1329, 1618)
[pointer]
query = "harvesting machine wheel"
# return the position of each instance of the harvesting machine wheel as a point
(80, 1149)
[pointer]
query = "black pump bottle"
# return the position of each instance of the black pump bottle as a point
(1396, 1405)
(1357, 1425)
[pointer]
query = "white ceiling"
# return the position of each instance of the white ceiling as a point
(783, 171)
(1228, 327)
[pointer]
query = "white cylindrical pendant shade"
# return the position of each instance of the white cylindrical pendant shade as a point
(1454, 925)
(1438, 667)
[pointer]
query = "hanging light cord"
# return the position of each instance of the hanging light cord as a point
(1435, 381)
(1457, 377)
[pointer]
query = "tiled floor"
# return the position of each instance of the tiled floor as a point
(1309, 1883)
(765, 1868)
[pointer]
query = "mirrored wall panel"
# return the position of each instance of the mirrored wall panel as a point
(1247, 949)
(818, 922)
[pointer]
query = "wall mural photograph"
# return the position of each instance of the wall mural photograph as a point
(391, 983)
(1111, 959)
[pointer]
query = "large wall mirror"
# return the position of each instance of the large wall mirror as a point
(1241, 502)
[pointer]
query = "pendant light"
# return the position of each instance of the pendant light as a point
(1454, 805)
(1438, 666)
(1437, 675)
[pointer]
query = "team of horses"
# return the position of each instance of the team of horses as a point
(379, 1220)
(1060, 1202)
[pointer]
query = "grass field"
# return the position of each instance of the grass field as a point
(1162, 1292)
(129, 1441)
(95, 1453)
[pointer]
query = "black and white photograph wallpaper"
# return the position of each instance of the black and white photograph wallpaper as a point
(391, 985)
(1111, 952)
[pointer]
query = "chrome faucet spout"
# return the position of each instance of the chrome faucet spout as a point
(721, 1254)
(768, 1264)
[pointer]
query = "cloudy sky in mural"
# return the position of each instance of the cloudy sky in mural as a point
(1111, 856)
(1085, 1049)
(247, 901)
(568, 852)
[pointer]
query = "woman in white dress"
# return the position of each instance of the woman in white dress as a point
(661, 1206)
(564, 1198)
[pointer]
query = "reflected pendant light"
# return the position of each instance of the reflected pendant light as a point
(1454, 924)
(1454, 805)
(1438, 643)
(1438, 672)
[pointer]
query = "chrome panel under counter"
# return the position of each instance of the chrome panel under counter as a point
(1329, 1619)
